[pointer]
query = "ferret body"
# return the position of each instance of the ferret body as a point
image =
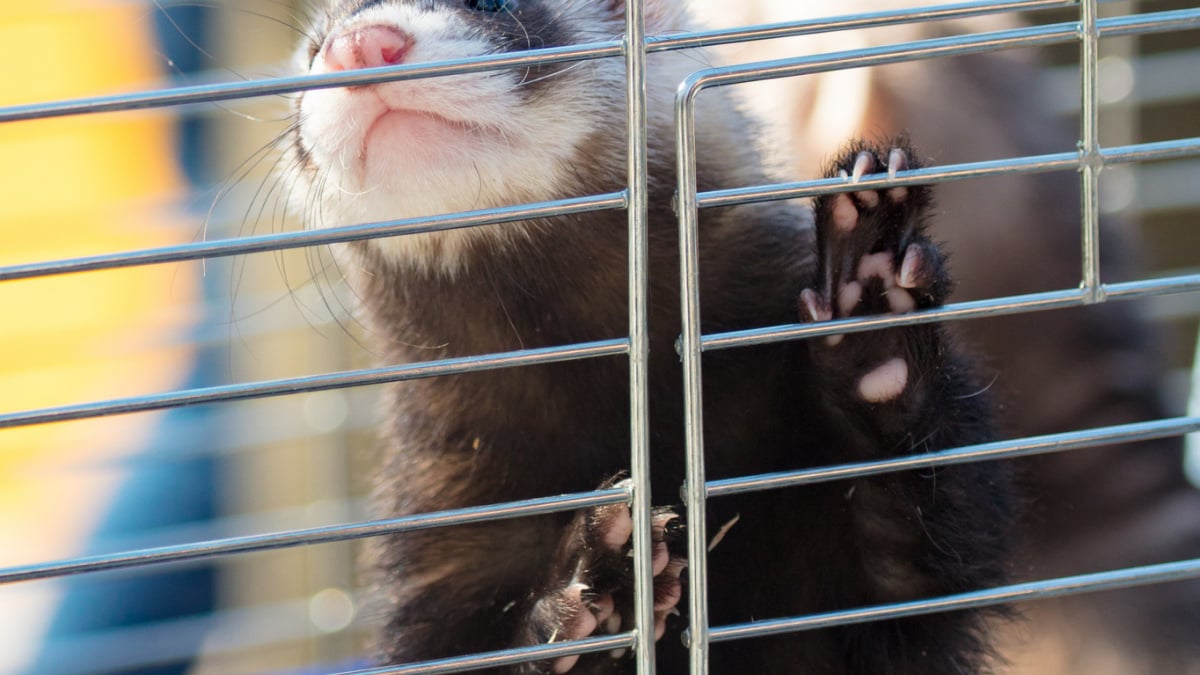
(424, 147)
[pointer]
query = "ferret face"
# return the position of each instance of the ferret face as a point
(430, 146)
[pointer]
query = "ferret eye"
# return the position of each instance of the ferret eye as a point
(492, 5)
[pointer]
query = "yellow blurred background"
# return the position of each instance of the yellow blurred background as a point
(93, 184)
(78, 186)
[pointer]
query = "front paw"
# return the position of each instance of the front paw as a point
(874, 258)
(593, 588)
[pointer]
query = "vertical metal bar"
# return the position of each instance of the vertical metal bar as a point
(1089, 148)
(694, 488)
(639, 333)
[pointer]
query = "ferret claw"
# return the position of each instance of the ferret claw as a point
(862, 164)
(897, 161)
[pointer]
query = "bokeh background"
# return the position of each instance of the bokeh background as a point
(100, 183)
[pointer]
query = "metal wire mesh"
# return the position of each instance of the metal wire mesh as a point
(1088, 159)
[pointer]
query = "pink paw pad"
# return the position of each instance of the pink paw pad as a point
(596, 612)
(845, 215)
(874, 258)
(885, 382)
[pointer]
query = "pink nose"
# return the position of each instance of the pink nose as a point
(367, 47)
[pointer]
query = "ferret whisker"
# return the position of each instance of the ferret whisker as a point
(295, 24)
(164, 11)
(310, 315)
(984, 389)
(521, 25)
(262, 196)
(317, 216)
(499, 299)
(321, 261)
(237, 175)
(555, 73)
(181, 32)
(242, 170)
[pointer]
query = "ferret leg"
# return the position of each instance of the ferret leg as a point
(894, 392)
(523, 582)
(874, 258)
(589, 590)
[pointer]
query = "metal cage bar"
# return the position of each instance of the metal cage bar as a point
(354, 378)
(287, 240)
(1089, 150)
(319, 535)
(634, 46)
(1084, 583)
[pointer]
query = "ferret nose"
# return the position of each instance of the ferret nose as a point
(367, 47)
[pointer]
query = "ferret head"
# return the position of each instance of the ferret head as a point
(429, 146)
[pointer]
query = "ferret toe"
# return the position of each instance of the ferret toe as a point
(595, 561)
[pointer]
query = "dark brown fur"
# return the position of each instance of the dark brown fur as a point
(502, 435)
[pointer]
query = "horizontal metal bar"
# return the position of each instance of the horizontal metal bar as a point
(316, 535)
(1031, 164)
(1022, 447)
(956, 45)
(207, 93)
(941, 174)
(576, 205)
(224, 91)
(297, 385)
(1035, 590)
(958, 311)
(1133, 290)
(955, 311)
(846, 22)
(332, 235)
(1144, 152)
(616, 200)
(505, 657)
(1151, 22)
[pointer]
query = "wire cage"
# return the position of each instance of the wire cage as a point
(305, 407)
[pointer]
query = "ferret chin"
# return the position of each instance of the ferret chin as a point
(431, 146)
(425, 147)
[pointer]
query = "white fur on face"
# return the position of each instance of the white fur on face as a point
(432, 146)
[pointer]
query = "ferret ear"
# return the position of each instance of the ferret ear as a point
(661, 15)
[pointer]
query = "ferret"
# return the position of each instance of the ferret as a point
(431, 146)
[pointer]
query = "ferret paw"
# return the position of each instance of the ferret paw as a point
(595, 593)
(873, 258)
